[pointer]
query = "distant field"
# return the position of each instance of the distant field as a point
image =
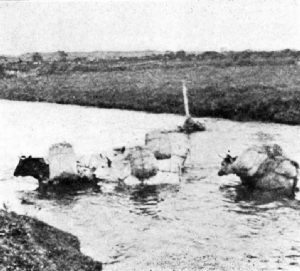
(265, 92)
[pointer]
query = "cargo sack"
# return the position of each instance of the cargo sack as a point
(142, 162)
(191, 126)
(159, 143)
(61, 159)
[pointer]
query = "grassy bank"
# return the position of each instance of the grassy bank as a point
(261, 92)
(28, 244)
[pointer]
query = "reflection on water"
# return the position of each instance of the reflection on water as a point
(204, 222)
(146, 199)
(240, 193)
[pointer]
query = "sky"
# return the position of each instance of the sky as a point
(130, 25)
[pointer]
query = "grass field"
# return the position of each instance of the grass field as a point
(241, 92)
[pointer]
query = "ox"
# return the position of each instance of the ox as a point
(264, 168)
(35, 167)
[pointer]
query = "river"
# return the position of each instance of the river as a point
(201, 223)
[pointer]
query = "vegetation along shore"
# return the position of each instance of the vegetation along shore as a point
(247, 85)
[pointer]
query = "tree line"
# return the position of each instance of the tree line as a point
(62, 62)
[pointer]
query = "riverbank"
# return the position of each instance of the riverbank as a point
(29, 244)
(263, 92)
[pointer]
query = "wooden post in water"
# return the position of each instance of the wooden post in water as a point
(189, 126)
(185, 99)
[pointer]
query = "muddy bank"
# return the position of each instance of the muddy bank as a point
(29, 244)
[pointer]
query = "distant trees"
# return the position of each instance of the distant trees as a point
(62, 56)
(211, 55)
(169, 55)
(180, 54)
(80, 60)
(37, 58)
(63, 62)
(3, 58)
(2, 72)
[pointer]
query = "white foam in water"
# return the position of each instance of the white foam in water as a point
(11, 192)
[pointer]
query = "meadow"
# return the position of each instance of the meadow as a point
(249, 88)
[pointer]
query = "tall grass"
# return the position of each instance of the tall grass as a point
(261, 92)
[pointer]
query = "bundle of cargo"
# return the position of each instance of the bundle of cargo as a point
(142, 162)
(158, 141)
(191, 126)
(62, 160)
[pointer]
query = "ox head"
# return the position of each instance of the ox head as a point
(226, 165)
(35, 167)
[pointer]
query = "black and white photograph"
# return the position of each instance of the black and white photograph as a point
(149, 135)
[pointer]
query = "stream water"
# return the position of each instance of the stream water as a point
(201, 223)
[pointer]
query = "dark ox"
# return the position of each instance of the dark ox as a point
(35, 167)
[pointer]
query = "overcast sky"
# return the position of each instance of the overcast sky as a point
(125, 25)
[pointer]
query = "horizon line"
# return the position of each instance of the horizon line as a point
(226, 50)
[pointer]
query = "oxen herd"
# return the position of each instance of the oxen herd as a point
(264, 168)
